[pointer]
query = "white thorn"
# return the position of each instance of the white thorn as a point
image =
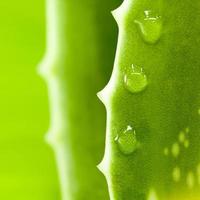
(116, 14)
(49, 137)
(104, 95)
(100, 166)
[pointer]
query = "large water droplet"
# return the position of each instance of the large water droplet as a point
(150, 26)
(135, 79)
(127, 141)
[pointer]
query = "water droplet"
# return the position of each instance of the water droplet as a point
(166, 151)
(127, 141)
(175, 149)
(198, 168)
(186, 143)
(181, 137)
(150, 26)
(135, 79)
(190, 180)
(176, 174)
(198, 173)
(199, 111)
(187, 130)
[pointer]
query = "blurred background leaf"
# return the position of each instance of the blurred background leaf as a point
(27, 169)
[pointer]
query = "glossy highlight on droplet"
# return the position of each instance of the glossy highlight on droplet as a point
(135, 79)
(150, 26)
(127, 141)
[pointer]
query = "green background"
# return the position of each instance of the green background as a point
(27, 167)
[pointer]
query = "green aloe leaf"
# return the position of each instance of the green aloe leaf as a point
(152, 101)
(81, 38)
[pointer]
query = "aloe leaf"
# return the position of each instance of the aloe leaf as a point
(81, 38)
(152, 102)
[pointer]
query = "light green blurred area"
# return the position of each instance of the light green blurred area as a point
(27, 168)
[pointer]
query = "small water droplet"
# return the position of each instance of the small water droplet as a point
(186, 144)
(198, 173)
(166, 151)
(175, 149)
(199, 111)
(135, 79)
(181, 137)
(187, 130)
(127, 141)
(198, 168)
(150, 26)
(176, 174)
(190, 180)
